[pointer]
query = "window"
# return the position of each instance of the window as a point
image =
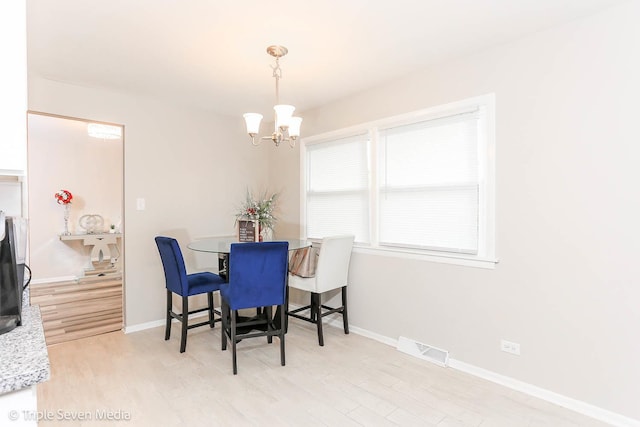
(419, 184)
(337, 195)
(428, 184)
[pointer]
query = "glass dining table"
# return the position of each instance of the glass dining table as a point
(222, 247)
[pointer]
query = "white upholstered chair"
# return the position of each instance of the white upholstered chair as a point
(331, 273)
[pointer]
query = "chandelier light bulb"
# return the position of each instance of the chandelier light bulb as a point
(253, 123)
(283, 115)
(294, 127)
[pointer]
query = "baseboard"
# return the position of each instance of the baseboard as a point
(156, 323)
(550, 396)
(337, 323)
(142, 326)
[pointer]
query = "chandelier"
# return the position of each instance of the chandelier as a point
(287, 128)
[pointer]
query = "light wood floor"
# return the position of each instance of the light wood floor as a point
(351, 381)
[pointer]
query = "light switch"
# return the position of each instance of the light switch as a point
(140, 204)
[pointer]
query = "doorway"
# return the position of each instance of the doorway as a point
(76, 249)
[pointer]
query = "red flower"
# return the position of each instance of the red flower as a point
(63, 197)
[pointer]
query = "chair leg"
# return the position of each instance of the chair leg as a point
(212, 322)
(282, 331)
(286, 311)
(234, 314)
(167, 329)
(185, 323)
(313, 312)
(316, 310)
(345, 317)
(225, 324)
(268, 311)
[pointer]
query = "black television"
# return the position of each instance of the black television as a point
(12, 267)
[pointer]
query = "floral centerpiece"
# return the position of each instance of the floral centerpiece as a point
(64, 197)
(260, 210)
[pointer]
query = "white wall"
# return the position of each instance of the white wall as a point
(566, 287)
(63, 156)
(13, 85)
(192, 168)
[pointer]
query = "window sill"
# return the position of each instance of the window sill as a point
(456, 259)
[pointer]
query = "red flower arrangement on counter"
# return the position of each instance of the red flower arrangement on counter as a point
(63, 197)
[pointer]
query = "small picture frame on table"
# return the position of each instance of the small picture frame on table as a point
(248, 230)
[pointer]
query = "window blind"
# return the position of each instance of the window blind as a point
(428, 184)
(337, 188)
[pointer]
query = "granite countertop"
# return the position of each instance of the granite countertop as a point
(24, 360)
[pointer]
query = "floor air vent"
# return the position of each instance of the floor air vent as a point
(423, 351)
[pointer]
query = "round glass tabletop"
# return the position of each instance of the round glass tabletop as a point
(222, 245)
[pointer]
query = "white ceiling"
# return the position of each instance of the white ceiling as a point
(212, 53)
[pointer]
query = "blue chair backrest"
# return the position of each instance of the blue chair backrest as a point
(257, 274)
(175, 273)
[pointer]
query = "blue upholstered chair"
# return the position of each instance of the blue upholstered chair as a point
(186, 285)
(257, 279)
(331, 273)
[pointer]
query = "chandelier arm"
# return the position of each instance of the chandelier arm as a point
(253, 140)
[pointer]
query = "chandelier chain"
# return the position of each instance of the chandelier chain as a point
(277, 74)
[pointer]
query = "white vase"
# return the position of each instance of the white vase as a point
(266, 234)
(66, 220)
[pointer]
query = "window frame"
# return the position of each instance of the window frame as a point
(485, 258)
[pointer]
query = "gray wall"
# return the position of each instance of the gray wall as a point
(567, 204)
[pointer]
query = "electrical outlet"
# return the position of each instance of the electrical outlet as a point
(140, 204)
(510, 347)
